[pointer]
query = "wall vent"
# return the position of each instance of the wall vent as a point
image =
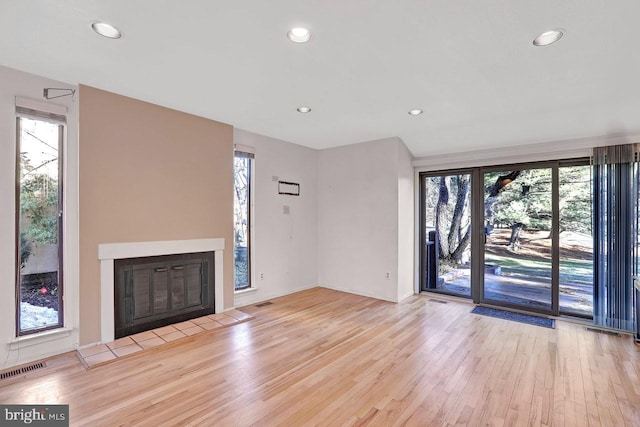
(262, 304)
(23, 370)
(603, 331)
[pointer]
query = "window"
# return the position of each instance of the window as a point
(243, 165)
(575, 183)
(39, 285)
(446, 233)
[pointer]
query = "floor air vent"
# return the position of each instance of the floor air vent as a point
(262, 304)
(439, 301)
(23, 370)
(604, 331)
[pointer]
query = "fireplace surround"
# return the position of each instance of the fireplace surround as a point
(109, 252)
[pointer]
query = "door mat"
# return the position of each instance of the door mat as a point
(516, 317)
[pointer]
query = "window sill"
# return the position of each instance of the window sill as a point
(39, 338)
(245, 291)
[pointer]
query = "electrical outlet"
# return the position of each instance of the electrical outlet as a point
(387, 275)
(275, 178)
(285, 210)
(261, 276)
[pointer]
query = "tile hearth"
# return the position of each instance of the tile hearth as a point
(104, 353)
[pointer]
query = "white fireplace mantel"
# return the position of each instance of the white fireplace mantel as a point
(108, 252)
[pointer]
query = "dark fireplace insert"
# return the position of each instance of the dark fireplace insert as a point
(156, 291)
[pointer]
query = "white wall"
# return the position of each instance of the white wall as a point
(16, 83)
(358, 212)
(406, 223)
(284, 246)
(352, 224)
(551, 150)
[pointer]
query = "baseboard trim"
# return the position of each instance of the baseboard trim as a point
(243, 300)
(362, 294)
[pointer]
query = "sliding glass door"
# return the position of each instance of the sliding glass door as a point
(533, 245)
(518, 253)
(538, 243)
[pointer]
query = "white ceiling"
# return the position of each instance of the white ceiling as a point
(469, 64)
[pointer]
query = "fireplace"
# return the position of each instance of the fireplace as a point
(109, 253)
(151, 292)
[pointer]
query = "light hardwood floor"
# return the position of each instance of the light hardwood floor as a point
(322, 357)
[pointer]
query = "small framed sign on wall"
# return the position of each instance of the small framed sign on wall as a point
(289, 188)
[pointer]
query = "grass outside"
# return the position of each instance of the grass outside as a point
(572, 271)
(533, 258)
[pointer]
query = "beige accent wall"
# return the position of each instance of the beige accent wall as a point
(148, 173)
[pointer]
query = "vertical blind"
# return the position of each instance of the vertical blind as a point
(616, 185)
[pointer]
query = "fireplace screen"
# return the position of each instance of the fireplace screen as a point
(156, 291)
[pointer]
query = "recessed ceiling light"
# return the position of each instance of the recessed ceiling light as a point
(415, 112)
(303, 109)
(106, 30)
(548, 37)
(299, 35)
